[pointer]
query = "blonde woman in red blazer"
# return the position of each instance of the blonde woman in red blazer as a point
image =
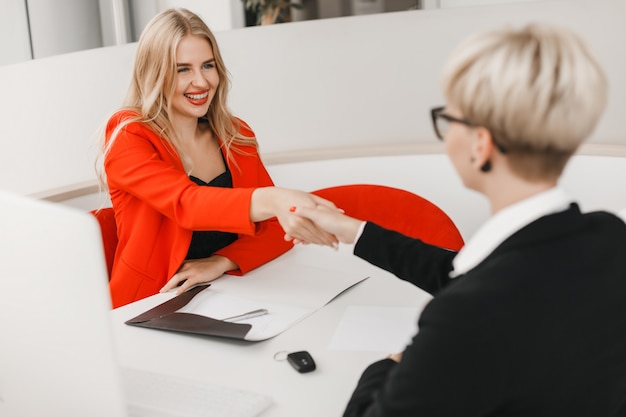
(179, 165)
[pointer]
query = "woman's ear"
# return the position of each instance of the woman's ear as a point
(482, 149)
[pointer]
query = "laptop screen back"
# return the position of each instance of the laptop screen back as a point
(56, 355)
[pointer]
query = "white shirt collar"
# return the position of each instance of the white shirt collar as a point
(506, 222)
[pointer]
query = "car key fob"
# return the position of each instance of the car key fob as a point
(301, 361)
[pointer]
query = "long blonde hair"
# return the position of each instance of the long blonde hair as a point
(154, 81)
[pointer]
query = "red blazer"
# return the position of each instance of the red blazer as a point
(157, 208)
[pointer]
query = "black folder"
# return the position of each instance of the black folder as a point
(165, 317)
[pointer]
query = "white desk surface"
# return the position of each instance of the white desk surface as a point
(251, 365)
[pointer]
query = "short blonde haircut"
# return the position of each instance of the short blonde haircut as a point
(538, 90)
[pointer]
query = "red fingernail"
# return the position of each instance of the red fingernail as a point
(292, 209)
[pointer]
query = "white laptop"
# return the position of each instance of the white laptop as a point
(57, 355)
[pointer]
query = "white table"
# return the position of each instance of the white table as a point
(251, 365)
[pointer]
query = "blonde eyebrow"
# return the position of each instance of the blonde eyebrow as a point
(184, 64)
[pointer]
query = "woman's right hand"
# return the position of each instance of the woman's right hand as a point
(344, 228)
(281, 203)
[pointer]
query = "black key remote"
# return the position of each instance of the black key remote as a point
(301, 361)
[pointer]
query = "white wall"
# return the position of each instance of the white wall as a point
(374, 78)
(62, 26)
(14, 36)
(219, 15)
(50, 111)
(332, 84)
(115, 22)
(141, 13)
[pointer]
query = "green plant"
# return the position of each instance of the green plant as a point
(271, 11)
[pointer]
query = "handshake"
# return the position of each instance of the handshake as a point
(306, 218)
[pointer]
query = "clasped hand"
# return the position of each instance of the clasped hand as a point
(282, 203)
(331, 220)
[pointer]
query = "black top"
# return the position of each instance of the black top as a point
(206, 243)
(538, 329)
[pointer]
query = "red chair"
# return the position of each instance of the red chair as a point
(396, 209)
(108, 227)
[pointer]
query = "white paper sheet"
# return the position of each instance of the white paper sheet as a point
(375, 328)
(220, 306)
(289, 291)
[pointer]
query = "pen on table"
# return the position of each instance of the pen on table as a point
(248, 315)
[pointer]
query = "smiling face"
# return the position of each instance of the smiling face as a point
(197, 78)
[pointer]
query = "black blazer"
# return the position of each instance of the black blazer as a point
(536, 329)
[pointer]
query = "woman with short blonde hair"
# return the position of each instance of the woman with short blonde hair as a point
(539, 91)
(528, 318)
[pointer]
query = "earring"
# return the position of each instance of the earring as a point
(486, 167)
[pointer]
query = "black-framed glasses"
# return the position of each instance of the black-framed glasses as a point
(441, 121)
(441, 124)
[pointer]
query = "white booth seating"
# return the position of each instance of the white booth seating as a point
(333, 101)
